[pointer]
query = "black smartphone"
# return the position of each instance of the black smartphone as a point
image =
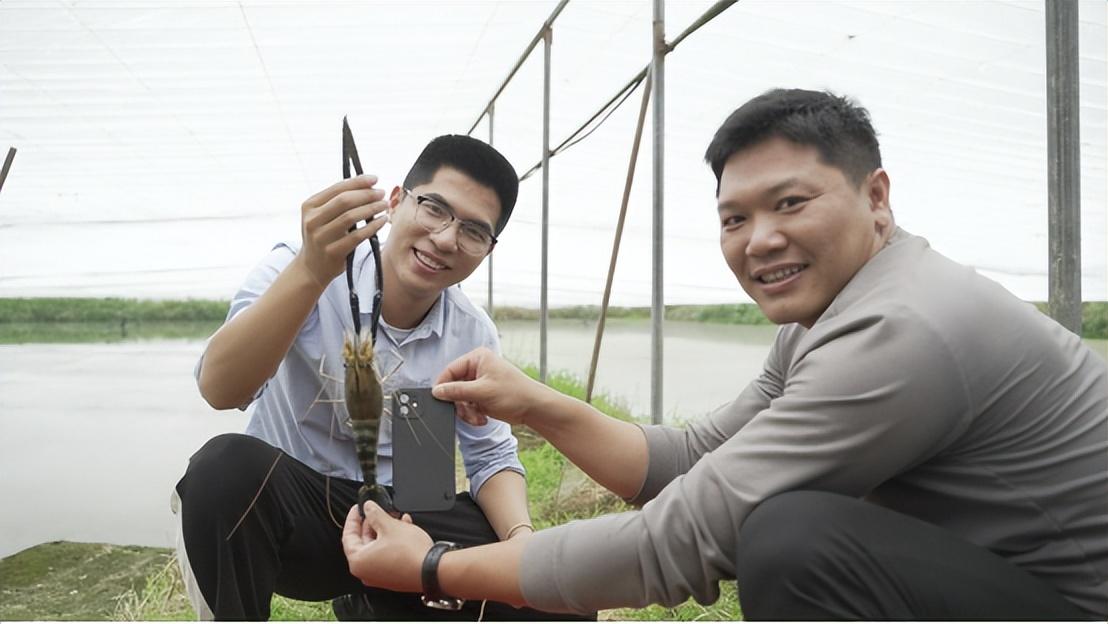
(423, 430)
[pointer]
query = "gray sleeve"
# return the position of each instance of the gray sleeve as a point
(673, 451)
(850, 417)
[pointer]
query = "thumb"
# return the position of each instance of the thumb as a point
(456, 391)
(376, 518)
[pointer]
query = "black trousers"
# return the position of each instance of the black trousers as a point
(246, 541)
(820, 556)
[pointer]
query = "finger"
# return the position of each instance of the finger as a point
(322, 197)
(352, 538)
(350, 240)
(476, 392)
(345, 210)
(368, 534)
(451, 391)
(471, 414)
(377, 520)
(371, 522)
(327, 224)
(466, 395)
(369, 507)
(347, 223)
(373, 226)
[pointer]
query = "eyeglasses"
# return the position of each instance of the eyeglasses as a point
(474, 237)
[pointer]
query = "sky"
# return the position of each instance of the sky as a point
(165, 146)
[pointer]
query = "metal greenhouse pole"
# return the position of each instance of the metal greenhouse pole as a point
(544, 313)
(1063, 163)
(657, 299)
(659, 49)
(544, 34)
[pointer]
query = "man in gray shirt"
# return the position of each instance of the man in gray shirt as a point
(920, 445)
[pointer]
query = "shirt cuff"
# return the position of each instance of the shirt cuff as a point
(661, 463)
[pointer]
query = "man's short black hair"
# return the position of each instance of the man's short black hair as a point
(476, 159)
(836, 126)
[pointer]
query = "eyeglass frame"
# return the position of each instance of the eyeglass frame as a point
(420, 199)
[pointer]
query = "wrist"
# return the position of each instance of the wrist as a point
(522, 529)
(305, 275)
(547, 410)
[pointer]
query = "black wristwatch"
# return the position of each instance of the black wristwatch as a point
(429, 574)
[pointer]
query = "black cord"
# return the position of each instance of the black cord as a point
(375, 315)
(350, 156)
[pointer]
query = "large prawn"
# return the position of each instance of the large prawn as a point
(365, 404)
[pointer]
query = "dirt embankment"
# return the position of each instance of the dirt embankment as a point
(73, 581)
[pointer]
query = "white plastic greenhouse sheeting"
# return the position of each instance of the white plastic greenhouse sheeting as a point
(165, 145)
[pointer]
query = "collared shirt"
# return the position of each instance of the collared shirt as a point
(300, 409)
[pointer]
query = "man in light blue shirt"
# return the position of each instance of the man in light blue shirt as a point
(259, 512)
(300, 409)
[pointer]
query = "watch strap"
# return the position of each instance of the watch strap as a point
(429, 574)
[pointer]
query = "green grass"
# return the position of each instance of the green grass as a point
(725, 609)
(1094, 318)
(62, 310)
(162, 596)
(737, 313)
(67, 581)
(106, 320)
(103, 331)
(45, 319)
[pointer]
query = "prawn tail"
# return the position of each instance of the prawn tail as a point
(376, 493)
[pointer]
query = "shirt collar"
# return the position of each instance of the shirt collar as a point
(366, 285)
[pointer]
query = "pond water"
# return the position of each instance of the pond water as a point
(94, 436)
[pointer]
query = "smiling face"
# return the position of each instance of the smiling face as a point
(795, 230)
(417, 264)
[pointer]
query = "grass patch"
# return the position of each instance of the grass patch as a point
(1094, 318)
(109, 309)
(25, 320)
(1094, 315)
(741, 313)
(569, 384)
(57, 320)
(70, 581)
(162, 597)
(104, 331)
(724, 609)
